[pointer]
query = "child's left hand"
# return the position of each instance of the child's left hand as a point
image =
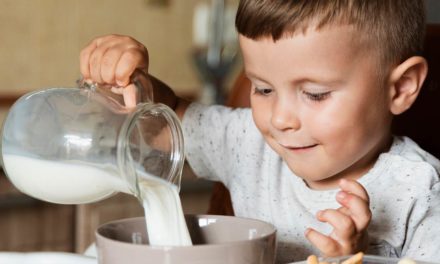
(349, 222)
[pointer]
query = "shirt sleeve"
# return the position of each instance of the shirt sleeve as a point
(423, 235)
(213, 136)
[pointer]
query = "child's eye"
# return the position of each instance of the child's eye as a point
(263, 91)
(317, 96)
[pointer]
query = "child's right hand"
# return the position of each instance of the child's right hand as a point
(112, 60)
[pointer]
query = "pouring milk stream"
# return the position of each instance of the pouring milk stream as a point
(80, 145)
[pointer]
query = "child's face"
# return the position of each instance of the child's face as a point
(319, 103)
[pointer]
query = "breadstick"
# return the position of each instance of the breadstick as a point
(355, 259)
(312, 259)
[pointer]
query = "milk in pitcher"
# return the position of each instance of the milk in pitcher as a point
(63, 182)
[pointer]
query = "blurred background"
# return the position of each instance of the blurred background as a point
(39, 48)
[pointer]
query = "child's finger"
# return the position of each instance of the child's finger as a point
(344, 210)
(108, 65)
(84, 59)
(343, 226)
(104, 58)
(130, 60)
(325, 244)
(355, 188)
(129, 95)
(95, 62)
(358, 209)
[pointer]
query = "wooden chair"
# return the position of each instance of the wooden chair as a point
(421, 122)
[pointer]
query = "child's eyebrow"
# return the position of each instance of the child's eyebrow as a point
(329, 82)
(253, 76)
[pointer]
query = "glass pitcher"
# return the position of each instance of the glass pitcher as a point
(81, 145)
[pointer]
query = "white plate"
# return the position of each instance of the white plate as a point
(45, 258)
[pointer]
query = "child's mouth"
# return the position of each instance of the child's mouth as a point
(300, 148)
(303, 147)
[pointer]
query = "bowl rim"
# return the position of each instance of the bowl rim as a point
(270, 234)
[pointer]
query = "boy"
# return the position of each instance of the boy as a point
(327, 78)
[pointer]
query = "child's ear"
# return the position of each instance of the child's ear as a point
(406, 80)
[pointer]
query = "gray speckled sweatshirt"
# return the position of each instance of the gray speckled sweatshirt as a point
(224, 145)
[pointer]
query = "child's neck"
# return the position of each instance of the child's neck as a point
(355, 171)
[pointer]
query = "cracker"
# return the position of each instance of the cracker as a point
(312, 259)
(355, 259)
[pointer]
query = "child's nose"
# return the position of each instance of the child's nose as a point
(285, 116)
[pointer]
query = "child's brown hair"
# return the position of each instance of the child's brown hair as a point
(393, 27)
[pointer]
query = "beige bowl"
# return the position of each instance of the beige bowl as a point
(216, 239)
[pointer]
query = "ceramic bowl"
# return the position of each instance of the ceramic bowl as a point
(216, 240)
